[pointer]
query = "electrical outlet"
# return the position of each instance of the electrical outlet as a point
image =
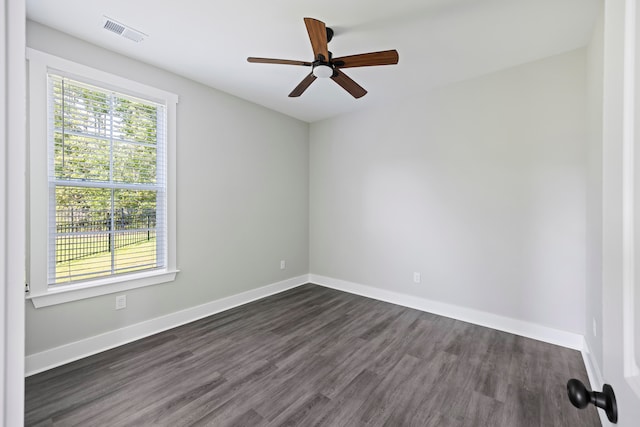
(595, 327)
(417, 277)
(121, 302)
(283, 264)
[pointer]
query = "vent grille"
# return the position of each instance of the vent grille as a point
(123, 30)
(113, 27)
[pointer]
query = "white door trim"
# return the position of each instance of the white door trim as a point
(630, 199)
(12, 211)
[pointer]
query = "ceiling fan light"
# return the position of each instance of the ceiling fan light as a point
(322, 71)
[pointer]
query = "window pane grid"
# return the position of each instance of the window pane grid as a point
(107, 183)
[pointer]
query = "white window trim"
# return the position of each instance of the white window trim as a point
(40, 294)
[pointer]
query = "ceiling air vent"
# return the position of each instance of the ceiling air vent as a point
(123, 30)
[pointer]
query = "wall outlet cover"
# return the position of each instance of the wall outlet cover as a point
(121, 302)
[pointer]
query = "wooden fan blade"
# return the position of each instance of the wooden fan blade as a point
(347, 84)
(304, 84)
(385, 57)
(318, 36)
(278, 61)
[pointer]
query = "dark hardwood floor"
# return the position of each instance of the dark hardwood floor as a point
(315, 356)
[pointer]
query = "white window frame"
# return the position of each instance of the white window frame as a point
(40, 293)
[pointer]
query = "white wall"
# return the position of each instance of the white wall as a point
(242, 201)
(479, 186)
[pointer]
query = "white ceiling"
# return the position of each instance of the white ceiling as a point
(439, 41)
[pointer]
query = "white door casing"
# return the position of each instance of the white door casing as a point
(12, 210)
(621, 207)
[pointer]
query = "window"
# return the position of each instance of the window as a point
(106, 182)
(102, 180)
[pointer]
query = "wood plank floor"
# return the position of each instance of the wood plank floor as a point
(314, 356)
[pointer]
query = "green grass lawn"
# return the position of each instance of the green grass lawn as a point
(127, 259)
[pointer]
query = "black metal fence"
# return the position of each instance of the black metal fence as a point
(81, 233)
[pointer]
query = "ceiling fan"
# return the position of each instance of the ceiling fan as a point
(324, 65)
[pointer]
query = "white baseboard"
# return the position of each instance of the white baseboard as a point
(593, 370)
(58, 356)
(595, 377)
(482, 318)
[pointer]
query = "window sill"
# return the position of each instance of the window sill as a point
(75, 292)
